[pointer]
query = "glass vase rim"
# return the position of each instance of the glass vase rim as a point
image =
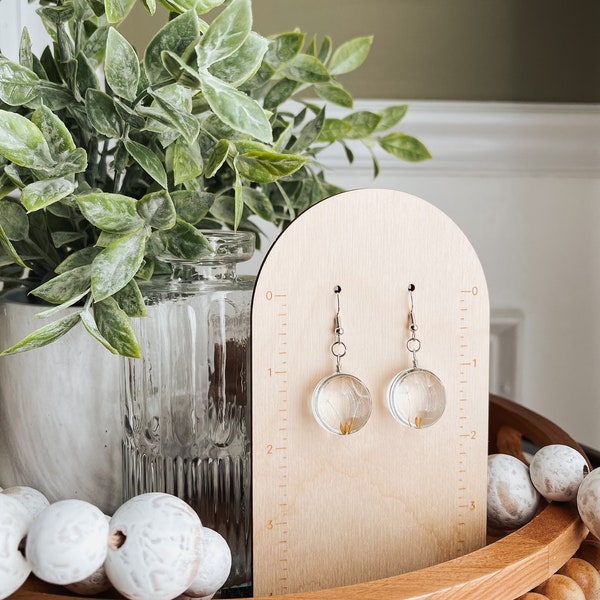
(228, 247)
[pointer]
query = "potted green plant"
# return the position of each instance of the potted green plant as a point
(112, 157)
(107, 160)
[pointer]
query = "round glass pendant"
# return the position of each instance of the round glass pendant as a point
(341, 404)
(416, 398)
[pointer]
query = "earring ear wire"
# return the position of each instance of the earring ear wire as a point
(341, 403)
(416, 397)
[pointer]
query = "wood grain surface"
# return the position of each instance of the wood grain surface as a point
(332, 510)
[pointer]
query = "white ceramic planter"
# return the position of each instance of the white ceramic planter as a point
(59, 414)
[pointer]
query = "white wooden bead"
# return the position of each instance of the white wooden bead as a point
(215, 565)
(588, 502)
(15, 522)
(67, 542)
(96, 583)
(512, 498)
(557, 472)
(31, 499)
(159, 552)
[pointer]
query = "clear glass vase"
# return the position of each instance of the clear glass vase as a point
(185, 404)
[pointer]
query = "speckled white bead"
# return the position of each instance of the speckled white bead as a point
(96, 583)
(159, 555)
(588, 502)
(31, 499)
(215, 565)
(67, 542)
(512, 498)
(557, 472)
(15, 522)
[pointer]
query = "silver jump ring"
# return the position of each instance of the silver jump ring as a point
(338, 349)
(413, 345)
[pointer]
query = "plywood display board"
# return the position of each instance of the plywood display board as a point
(331, 510)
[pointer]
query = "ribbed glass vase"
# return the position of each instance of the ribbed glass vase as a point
(185, 404)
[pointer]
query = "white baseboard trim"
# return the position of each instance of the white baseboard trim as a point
(488, 139)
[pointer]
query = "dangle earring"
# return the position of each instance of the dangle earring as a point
(341, 403)
(416, 397)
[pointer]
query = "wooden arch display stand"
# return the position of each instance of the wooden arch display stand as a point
(332, 510)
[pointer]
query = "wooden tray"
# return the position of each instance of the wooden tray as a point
(504, 569)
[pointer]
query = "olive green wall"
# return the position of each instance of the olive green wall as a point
(503, 50)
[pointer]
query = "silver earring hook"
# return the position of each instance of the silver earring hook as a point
(338, 348)
(413, 345)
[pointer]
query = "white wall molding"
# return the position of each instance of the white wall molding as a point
(489, 138)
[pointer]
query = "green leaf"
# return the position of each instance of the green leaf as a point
(187, 162)
(279, 93)
(179, 70)
(105, 239)
(117, 264)
(69, 164)
(307, 69)
(102, 113)
(258, 203)
(404, 147)
(243, 63)
(148, 160)
(284, 47)
(9, 249)
(226, 33)
(236, 109)
(157, 210)
(192, 207)
(113, 213)
(238, 201)
(43, 336)
(13, 221)
(217, 158)
(117, 10)
(65, 286)
(185, 241)
(58, 137)
(335, 93)
(25, 54)
(121, 66)
(183, 121)
(95, 46)
(176, 36)
(54, 96)
(267, 167)
(131, 301)
(325, 49)
(22, 142)
(18, 84)
(391, 116)
(350, 55)
(86, 76)
(42, 193)
(363, 124)
(150, 6)
(82, 257)
(309, 134)
(87, 318)
(131, 118)
(62, 238)
(60, 307)
(114, 326)
(334, 129)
